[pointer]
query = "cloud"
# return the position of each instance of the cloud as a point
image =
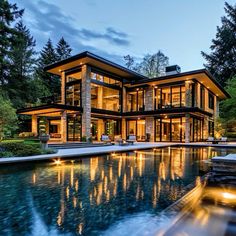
(49, 20)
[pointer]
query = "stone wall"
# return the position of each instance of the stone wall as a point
(149, 124)
(149, 99)
(86, 101)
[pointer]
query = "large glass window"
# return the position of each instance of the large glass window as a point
(106, 98)
(135, 100)
(170, 129)
(167, 97)
(73, 95)
(136, 127)
(109, 127)
(73, 77)
(202, 97)
(210, 100)
(105, 79)
(73, 128)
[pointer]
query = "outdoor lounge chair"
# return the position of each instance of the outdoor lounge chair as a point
(120, 141)
(210, 139)
(105, 138)
(223, 139)
(131, 139)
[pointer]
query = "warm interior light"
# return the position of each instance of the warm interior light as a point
(229, 195)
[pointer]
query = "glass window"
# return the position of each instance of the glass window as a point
(135, 100)
(165, 127)
(105, 79)
(131, 129)
(73, 128)
(175, 96)
(202, 97)
(158, 130)
(210, 100)
(183, 96)
(73, 77)
(105, 98)
(211, 128)
(73, 95)
(166, 98)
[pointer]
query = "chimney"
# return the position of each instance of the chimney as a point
(172, 70)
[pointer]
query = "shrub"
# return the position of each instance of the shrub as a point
(21, 149)
(6, 154)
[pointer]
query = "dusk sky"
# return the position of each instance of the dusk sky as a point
(179, 28)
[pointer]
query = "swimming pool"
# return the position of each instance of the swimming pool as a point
(97, 195)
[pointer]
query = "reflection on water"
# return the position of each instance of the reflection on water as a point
(90, 196)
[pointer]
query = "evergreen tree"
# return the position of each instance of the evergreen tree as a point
(22, 64)
(63, 49)
(48, 56)
(221, 62)
(8, 14)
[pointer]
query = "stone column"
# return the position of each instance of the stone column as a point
(86, 101)
(187, 128)
(216, 108)
(188, 94)
(64, 127)
(149, 99)
(149, 124)
(34, 124)
(63, 86)
(123, 128)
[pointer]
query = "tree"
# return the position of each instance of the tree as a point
(8, 14)
(228, 108)
(63, 49)
(8, 118)
(129, 61)
(221, 62)
(48, 56)
(22, 62)
(150, 66)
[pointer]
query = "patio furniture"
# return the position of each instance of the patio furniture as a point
(131, 139)
(223, 140)
(120, 141)
(210, 139)
(105, 138)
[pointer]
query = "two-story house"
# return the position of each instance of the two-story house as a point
(101, 97)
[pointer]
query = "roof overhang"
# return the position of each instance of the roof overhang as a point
(49, 110)
(202, 76)
(93, 60)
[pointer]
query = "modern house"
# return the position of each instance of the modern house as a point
(101, 97)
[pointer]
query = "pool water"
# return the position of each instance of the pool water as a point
(97, 195)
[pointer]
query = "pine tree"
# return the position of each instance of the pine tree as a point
(221, 62)
(22, 64)
(8, 14)
(63, 49)
(48, 56)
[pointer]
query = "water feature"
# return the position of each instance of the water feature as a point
(117, 194)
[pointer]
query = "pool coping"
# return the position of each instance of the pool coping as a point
(91, 151)
(83, 152)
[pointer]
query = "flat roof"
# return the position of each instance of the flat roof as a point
(202, 75)
(93, 60)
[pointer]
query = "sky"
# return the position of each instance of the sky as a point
(181, 29)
